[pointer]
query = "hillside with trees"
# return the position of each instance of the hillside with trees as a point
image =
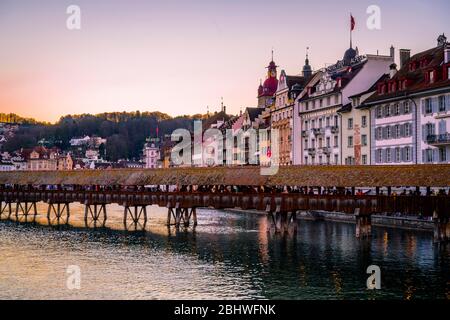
(126, 132)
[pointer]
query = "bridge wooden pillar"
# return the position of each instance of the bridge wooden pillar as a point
(181, 215)
(363, 224)
(25, 209)
(93, 212)
(137, 213)
(59, 210)
(282, 221)
(441, 228)
(5, 208)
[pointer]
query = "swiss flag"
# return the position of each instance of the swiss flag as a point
(352, 23)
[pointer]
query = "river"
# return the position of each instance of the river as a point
(229, 256)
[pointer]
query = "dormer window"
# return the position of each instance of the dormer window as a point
(412, 66)
(431, 76)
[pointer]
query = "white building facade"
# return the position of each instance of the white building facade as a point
(318, 107)
(410, 111)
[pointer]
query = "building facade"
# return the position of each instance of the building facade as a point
(151, 156)
(325, 95)
(410, 111)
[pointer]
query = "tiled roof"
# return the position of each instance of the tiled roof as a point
(326, 176)
(416, 79)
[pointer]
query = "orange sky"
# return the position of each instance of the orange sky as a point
(179, 57)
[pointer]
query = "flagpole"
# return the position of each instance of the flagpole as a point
(350, 30)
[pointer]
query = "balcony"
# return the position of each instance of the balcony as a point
(318, 131)
(326, 150)
(305, 133)
(311, 151)
(438, 139)
(334, 129)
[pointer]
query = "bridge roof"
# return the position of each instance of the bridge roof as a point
(325, 176)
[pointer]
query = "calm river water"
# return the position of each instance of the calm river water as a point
(230, 255)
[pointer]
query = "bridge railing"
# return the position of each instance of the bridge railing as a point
(367, 204)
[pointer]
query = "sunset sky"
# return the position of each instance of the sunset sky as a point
(180, 56)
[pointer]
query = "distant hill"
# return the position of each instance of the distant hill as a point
(13, 118)
(126, 132)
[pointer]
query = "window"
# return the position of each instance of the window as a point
(335, 141)
(328, 121)
(431, 76)
(406, 108)
(388, 155)
(336, 159)
(328, 142)
(396, 109)
(320, 159)
(428, 106)
(398, 155)
(429, 129)
(388, 132)
(364, 140)
(442, 155)
(407, 154)
(379, 112)
(306, 143)
(380, 156)
(364, 121)
(350, 123)
(313, 124)
(336, 121)
(306, 160)
(397, 131)
(441, 103)
(428, 155)
(328, 101)
(320, 142)
(407, 129)
(320, 122)
(336, 99)
(306, 125)
(379, 133)
(364, 159)
(321, 103)
(387, 111)
(306, 105)
(448, 73)
(350, 142)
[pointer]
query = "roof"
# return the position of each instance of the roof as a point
(416, 78)
(345, 108)
(219, 116)
(291, 80)
(373, 87)
(325, 176)
(346, 75)
(253, 113)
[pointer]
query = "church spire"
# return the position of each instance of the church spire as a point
(307, 68)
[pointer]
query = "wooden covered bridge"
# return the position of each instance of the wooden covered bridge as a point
(416, 190)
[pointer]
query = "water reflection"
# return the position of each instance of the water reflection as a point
(228, 255)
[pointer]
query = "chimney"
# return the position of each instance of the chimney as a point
(404, 56)
(447, 53)
(392, 52)
(392, 70)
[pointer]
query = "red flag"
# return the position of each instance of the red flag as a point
(269, 153)
(352, 23)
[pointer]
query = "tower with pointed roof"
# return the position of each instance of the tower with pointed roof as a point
(267, 90)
